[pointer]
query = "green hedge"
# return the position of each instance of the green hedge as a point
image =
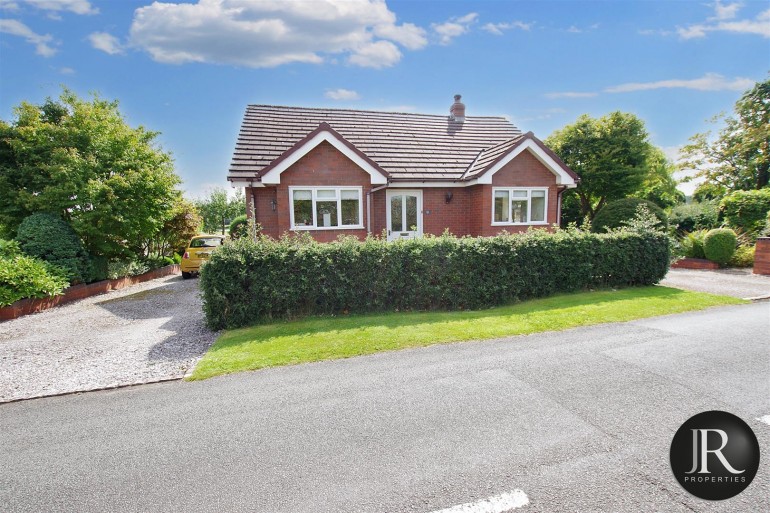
(247, 282)
(50, 238)
(719, 245)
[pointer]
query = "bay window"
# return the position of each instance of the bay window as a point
(325, 207)
(516, 205)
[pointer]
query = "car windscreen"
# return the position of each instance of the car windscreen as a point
(206, 243)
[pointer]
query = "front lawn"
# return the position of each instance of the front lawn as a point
(325, 338)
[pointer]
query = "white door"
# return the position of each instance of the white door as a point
(404, 214)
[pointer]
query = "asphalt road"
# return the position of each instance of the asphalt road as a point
(580, 420)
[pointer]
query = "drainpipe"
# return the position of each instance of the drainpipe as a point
(559, 192)
(369, 207)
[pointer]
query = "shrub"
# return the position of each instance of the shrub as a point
(615, 213)
(694, 216)
(692, 244)
(766, 231)
(9, 248)
(743, 257)
(239, 228)
(719, 245)
(22, 276)
(50, 238)
(747, 210)
(123, 268)
(248, 282)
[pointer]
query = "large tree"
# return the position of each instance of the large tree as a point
(738, 158)
(609, 154)
(659, 185)
(218, 209)
(80, 160)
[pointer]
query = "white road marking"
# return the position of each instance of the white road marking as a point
(496, 504)
(765, 419)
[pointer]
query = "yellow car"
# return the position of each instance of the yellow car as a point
(198, 251)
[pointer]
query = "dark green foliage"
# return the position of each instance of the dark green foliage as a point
(692, 244)
(747, 210)
(694, 216)
(247, 282)
(49, 238)
(22, 276)
(766, 232)
(615, 213)
(719, 245)
(239, 228)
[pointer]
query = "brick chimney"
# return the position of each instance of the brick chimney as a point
(457, 110)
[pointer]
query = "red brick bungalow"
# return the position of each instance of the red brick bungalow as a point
(347, 172)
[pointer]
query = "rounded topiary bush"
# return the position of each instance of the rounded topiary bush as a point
(239, 227)
(50, 238)
(719, 245)
(615, 213)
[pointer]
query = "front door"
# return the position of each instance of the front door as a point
(404, 214)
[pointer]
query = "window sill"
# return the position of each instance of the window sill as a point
(536, 223)
(325, 228)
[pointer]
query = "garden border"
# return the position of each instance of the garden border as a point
(694, 263)
(74, 293)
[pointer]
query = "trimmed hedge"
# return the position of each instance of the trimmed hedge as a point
(719, 245)
(250, 282)
(615, 213)
(694, 216)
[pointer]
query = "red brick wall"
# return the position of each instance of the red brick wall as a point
(468, 213)
(323, 165)
(523, 171)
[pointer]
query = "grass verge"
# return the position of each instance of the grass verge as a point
(325, 338)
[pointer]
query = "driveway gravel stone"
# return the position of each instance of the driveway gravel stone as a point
(740, 283)
(149, 332)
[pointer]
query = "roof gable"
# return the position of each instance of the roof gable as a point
(493, 159)
(271, 174)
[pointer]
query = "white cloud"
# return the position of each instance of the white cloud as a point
(9, 5)
(41, 42)
(708, 82)
(273, 32)
(342, 94)
(75, 6)
(408, 35)
(66, 71)
(554, 96)
(724, 21)
(453, 27)
(498, 28)
(106, 43)
(380, 54)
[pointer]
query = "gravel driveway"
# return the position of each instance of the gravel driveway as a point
(150, 332)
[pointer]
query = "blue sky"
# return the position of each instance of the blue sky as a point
(188, 69)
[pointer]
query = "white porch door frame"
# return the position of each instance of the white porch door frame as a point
(406, 232)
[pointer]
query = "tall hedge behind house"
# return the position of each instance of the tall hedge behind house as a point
(246, 283)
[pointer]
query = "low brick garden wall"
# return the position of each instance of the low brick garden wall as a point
(76, 292)
(762, 256)
(694, 263)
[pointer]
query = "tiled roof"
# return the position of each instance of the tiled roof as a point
(407, 146)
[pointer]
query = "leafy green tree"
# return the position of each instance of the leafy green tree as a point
(739, 157)
(659, 185)
(176, 232)
(609, 154)
(79, 160)
(218, 210)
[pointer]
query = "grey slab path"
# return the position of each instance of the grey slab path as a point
(149, 332)
(740, 283)
(580, 420)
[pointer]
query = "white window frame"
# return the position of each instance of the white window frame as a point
(529, 191)
(338, 190)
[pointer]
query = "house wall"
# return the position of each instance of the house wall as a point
(469, 212)
(523, 171)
